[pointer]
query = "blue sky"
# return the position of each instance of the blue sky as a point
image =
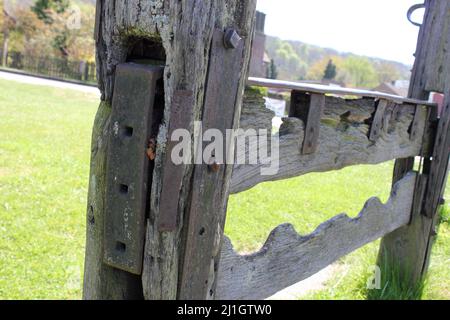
(375, 28)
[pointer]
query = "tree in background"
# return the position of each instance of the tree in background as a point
(358, 72)
(317, 70)
(330, 71)
(6, 24)
(272, 71)
(300, 61)
(387, 72)
(53, 14)
(44, 9)
(286, 58)
(31, 35)
(48, 29)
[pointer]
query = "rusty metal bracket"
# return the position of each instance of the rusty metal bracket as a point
(308, 108)
(127, 180)
(378, 119)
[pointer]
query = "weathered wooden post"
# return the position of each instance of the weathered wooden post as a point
(408, 248)
(154, 229)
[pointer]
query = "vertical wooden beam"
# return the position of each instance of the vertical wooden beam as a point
(408, 248)
(378, 121)
(177, 33)
(309, 108)
(180, 118)
(211, 185)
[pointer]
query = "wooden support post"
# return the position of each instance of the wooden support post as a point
(308, 108)
(204, 47)
(408, 248)
(378, 120)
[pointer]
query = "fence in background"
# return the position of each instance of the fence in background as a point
(53, 67)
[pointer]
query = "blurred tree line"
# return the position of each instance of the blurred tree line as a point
(48, 28)
(64, 29)
(299, 61)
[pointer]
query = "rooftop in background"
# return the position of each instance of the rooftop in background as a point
(399, 88)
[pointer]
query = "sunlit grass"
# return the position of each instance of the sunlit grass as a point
(44, 163)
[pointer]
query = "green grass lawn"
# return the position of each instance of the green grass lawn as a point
(44, 168)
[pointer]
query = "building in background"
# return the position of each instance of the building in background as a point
(398, 88)
(401, 88)
(260, 61)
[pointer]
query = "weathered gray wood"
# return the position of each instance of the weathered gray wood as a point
(287, 258)
(377, 123)
(308, 108)
(343, 140)
(408, 249)
(324, 89)
(438, 176)
(100, 280)
(434, 44)
(180, 117)
(440, 162)
(177, 34)
(210, 186)
(405, 249)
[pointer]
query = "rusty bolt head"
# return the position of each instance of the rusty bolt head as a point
(231, 39)
(151, 150)
(213, 165)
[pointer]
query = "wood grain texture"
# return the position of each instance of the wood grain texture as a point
(308, 108)
(408, 249)
(326, 89)
(430, 72)
(440, 162)
(183, 30)
(287, 258)
(377, 123)
(100, 280)
(208, 202)
(172, 181)
(343, 139)
(438, 176)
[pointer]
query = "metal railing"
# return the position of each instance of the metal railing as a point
(52, 67)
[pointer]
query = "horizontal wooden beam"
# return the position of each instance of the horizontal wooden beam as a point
(324, 89)
(343, 138)
(287, 258)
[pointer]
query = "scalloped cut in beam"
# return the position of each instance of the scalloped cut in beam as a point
(287, 258)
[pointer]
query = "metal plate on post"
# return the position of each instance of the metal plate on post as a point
(127, 180)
